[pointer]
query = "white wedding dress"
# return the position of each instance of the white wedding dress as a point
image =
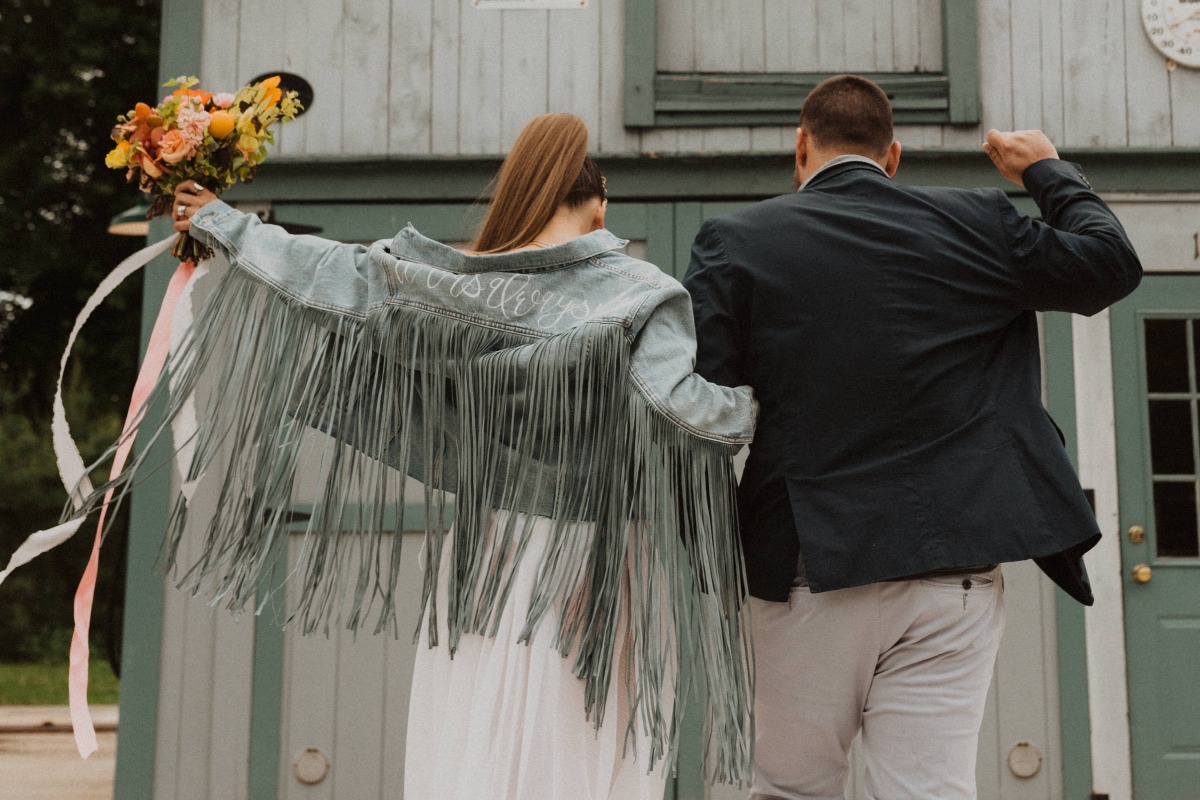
(502, 720)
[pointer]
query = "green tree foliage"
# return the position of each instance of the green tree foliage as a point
(67, 68)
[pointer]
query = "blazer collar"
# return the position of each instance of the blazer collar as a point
(842, 164)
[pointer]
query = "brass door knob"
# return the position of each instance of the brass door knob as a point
(1137, 534)
(1142, 573)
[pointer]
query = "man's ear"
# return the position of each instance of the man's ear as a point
(802, 145)
(892, 160)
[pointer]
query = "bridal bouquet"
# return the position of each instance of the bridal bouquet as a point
(216, 140)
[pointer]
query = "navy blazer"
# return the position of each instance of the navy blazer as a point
(889, 334)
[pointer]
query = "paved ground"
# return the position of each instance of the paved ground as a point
(44, 765)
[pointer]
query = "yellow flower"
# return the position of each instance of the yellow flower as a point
(248, 143)
(118, 157)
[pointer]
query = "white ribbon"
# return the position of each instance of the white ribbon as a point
(70, 463)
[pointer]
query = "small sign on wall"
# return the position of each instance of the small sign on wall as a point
(531, 4)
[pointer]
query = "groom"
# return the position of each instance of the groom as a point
(902, 451)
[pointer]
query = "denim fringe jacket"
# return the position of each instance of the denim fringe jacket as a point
(556, 382)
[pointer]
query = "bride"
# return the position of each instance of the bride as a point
(593, 572)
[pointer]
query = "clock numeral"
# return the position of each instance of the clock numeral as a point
(1157, 31)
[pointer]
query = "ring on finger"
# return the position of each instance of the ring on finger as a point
(179, 211)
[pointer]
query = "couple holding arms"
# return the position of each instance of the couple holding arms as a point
(878, 342)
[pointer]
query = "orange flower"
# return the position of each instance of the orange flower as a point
(271, 82)
(175, 147)
(273, 96)
(221, 124)
(141, 111)
(147, 165)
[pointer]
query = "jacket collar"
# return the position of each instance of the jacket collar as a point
(840, 164)
(412, 246)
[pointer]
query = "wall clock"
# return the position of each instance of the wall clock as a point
(1174, 29)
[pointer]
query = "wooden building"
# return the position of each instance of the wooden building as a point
(692, 107)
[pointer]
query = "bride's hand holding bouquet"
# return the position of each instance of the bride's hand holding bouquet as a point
(212, 140)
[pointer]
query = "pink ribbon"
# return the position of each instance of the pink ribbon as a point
(152, 364)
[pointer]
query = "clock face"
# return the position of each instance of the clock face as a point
(1174, 28)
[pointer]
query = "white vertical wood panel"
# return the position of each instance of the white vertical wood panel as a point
(1108, 697)
(1026, 76)
(718, 32)
(322, 57)
(399, 652)
(726, 140)
(233, 679)
(806, 37)
(987, 769)
(676, 36)
(309, 704)
(576, 62)
(918, 137)
(479, 80)
(1185, 105)
(410, 71)
(445, 78)
(218, 46)
(1148, 110)
(830, 28)
(885, 51)
(995, 64)
(691, 140)
(858, 34)
(929, 32)
(753, 31)
(1052, 69)
(660, 141)
(610, 129)
(196, 697)
(773, 140)
(906, 37)
(366, 76)
(525, 62)
(358, 731)
(1021, 675)
(777, 56)
(1094, 73)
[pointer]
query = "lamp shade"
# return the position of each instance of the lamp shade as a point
(132, 221)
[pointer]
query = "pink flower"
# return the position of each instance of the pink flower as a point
(175, 147)
(222, 100)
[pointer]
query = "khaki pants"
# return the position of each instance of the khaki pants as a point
(908, 662)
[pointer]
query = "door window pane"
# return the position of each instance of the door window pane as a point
(1175, 519)
(1171, 437)
(1166, 355)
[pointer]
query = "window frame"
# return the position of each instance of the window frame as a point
(693, 99)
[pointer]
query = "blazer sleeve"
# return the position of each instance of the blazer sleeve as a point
(317, 271)
(719, 315)
(663, 358)
(1079, 259)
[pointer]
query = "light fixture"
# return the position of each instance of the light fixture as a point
(131, 221)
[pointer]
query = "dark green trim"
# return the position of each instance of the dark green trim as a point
(641, 54)
(960, 60)
(141, 652)
(1074, 715)
(669, 99)
(266, 702)
(686, 177)
(708, 98)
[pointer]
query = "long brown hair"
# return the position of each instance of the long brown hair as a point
(547, 166)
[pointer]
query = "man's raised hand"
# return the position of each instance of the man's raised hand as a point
(1013, 151)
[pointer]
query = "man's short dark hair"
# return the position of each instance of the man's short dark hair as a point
(849, 113)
